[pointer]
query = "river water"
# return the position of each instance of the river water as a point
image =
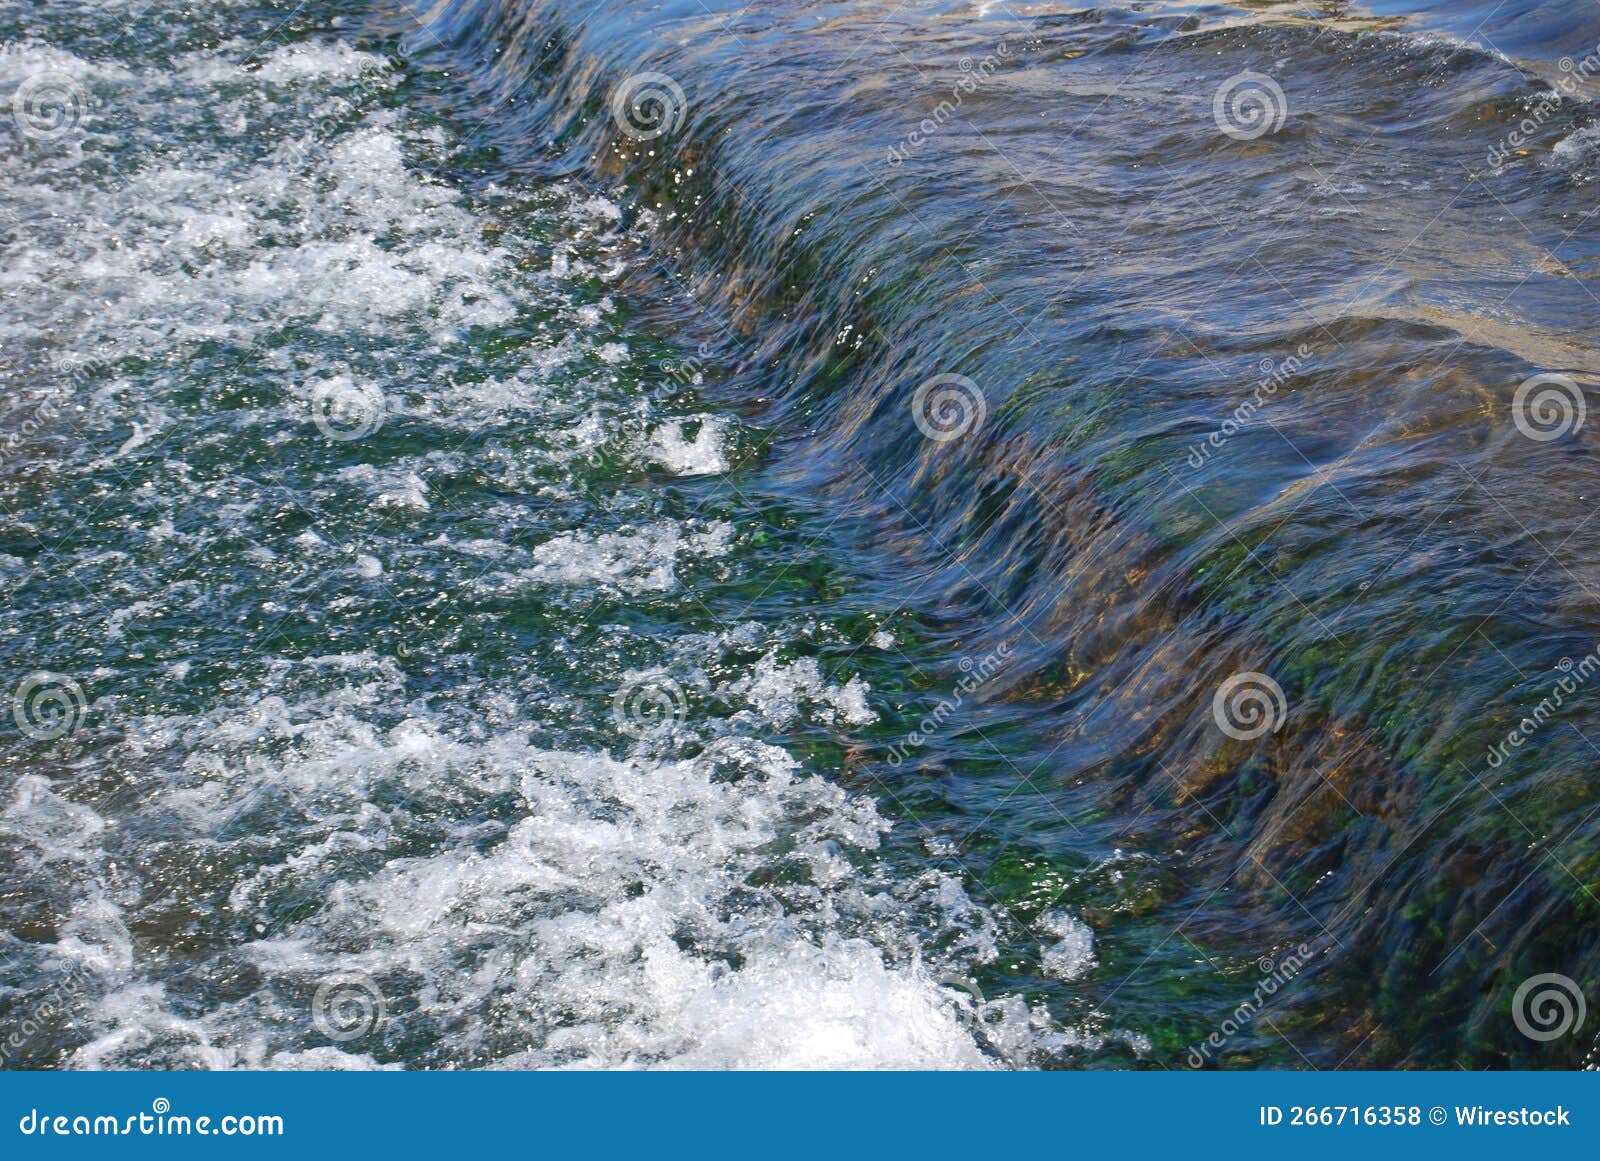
(934, 535)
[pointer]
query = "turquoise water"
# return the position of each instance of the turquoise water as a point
(480, 594)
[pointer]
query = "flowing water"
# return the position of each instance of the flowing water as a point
(934, 534)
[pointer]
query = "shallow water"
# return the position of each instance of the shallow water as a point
(513, 606)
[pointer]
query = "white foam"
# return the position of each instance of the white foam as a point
(832, 1007)
(324, 1059)
(21, 60)
(601, 208)
(390, 487)
(1072, 955)
(642, 560)
(700, 456)
(613, 923)
(1578, 148)
(336, 61)
(781, 692)
(175, 252)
